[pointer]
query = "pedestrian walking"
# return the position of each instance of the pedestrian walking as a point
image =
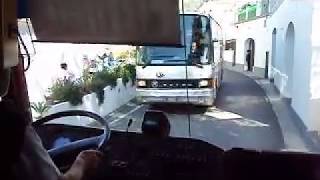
(248, 59)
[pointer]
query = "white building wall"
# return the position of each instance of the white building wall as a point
(305, 91)
(315, 69)
(300, 14)
(255, 30)
(228, 56)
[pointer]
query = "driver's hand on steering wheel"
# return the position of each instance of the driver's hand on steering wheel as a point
(85, 163)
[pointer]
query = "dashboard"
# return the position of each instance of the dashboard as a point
(138, 156)
(134, 156)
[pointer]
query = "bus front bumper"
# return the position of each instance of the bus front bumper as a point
(203, 96)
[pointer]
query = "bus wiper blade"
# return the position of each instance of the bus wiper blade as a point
(198, 65)
(146, 64)
(162, 56)
(173, 60)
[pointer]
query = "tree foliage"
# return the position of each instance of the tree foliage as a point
(127, 54)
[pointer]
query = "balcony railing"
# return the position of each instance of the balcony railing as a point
(252, 11)
(247, 12)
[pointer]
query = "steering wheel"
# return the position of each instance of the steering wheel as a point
(100, 141)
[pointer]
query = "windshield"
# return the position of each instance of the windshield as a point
(246, 75)
(195, 31)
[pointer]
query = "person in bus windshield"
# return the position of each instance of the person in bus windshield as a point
(198, 38)
(195, 54)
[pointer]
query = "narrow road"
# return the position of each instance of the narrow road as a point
(242, 117)
(242, 95)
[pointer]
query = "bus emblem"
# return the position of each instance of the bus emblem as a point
(160, 75)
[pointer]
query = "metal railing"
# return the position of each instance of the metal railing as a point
(257, 10)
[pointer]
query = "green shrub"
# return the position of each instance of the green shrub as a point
(67, 91)
(102, 79)
(130, 72)
(117, 71)
(125, 75)
(40, 107)
(86, 79)
(73, 91)
(97, 86)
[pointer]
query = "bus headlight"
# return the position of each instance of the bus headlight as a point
(141, 83)
(203, 83)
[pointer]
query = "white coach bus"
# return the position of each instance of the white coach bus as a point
(189, 74)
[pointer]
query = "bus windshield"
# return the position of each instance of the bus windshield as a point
(195, 38)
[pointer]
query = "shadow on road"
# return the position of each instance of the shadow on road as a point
(179, 108)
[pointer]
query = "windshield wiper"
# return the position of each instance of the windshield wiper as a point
(165, 61)
(162, 56)
(198, 65)
(146, 64)
(173, 60)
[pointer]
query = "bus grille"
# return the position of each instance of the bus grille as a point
(168, 84)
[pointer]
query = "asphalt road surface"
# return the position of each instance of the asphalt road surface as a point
(243, 117)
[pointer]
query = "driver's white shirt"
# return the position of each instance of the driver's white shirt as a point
(34, 162)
